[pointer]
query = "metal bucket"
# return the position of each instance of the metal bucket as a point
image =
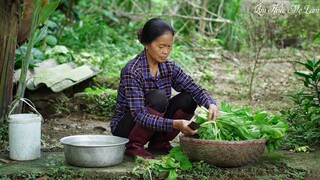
(93, 150)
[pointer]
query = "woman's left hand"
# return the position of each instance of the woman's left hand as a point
(213, 112)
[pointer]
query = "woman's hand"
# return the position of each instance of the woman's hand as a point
(182, 125)
(213, 112)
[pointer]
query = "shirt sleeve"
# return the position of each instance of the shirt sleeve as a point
(183, 82)
(136, 101)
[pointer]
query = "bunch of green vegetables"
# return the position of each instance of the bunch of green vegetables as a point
(240, 124)
(171, 163)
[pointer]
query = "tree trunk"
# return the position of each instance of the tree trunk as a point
(9, 21)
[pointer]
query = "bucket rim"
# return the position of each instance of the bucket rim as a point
(66, 140)
(32, 118)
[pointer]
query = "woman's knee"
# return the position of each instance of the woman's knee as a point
(186, 102)
(157, 100)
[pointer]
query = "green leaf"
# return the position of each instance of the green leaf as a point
(302, 63)
(200, 119)
(317, 37)
(302, 74)
(47, 10)
(59, 49)
(169, 163)
(273, 132)
(283, 112)
(52, 24)
(177, 154)
(317, 63)
(310, 63)
(270, 147)
(260, 117)
(175, 150)
(255, 134)
(172, 175)
(40, 34)
(316, 118)
(225, 107)
(309, 66)
(316, 73)
(110, 15)
(51, 40)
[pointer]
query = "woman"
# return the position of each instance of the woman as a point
(145, 111)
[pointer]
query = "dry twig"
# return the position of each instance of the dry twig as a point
(4, 161)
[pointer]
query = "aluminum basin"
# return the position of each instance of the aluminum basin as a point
(93, 150)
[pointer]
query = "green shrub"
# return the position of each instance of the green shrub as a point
(304, 117)
(98, 101)
(4, 136)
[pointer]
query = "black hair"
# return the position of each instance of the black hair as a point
(153, 28)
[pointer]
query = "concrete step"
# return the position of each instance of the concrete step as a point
(51, 162)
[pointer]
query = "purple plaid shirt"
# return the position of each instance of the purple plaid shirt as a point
(136, 80)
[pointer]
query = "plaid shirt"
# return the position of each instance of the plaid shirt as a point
(136, 80)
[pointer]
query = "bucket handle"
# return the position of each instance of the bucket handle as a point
(28, 102)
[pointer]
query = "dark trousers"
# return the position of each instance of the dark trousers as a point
(157, 101)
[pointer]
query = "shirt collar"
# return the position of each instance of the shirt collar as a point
(145, 66)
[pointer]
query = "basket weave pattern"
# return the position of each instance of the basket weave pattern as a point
(223, 153)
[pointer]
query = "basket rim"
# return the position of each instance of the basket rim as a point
(195, 140)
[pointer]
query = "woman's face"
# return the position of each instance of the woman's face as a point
(159, 49)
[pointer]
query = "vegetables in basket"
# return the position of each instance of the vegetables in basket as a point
(240, 124)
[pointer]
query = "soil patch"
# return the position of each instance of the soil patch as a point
(53, 129)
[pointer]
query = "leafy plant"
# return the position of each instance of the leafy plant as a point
(95, 90)
(311, 80)
(58, 169)
(98, 101)
(232, 35)
(173, 162)
(39, 16)
(316, 37)
(4, 136)
(304, 117)
(241, 124)
(36, 36)
(60, 53)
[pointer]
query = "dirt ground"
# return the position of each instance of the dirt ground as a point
(274, 80)
(55, 128)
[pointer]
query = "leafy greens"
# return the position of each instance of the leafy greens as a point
(235, 124)
(171, 163)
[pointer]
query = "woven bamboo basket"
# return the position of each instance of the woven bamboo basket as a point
(222, 153)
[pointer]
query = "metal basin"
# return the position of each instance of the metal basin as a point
(93, 150)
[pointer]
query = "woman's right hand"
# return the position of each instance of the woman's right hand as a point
(182, 125)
